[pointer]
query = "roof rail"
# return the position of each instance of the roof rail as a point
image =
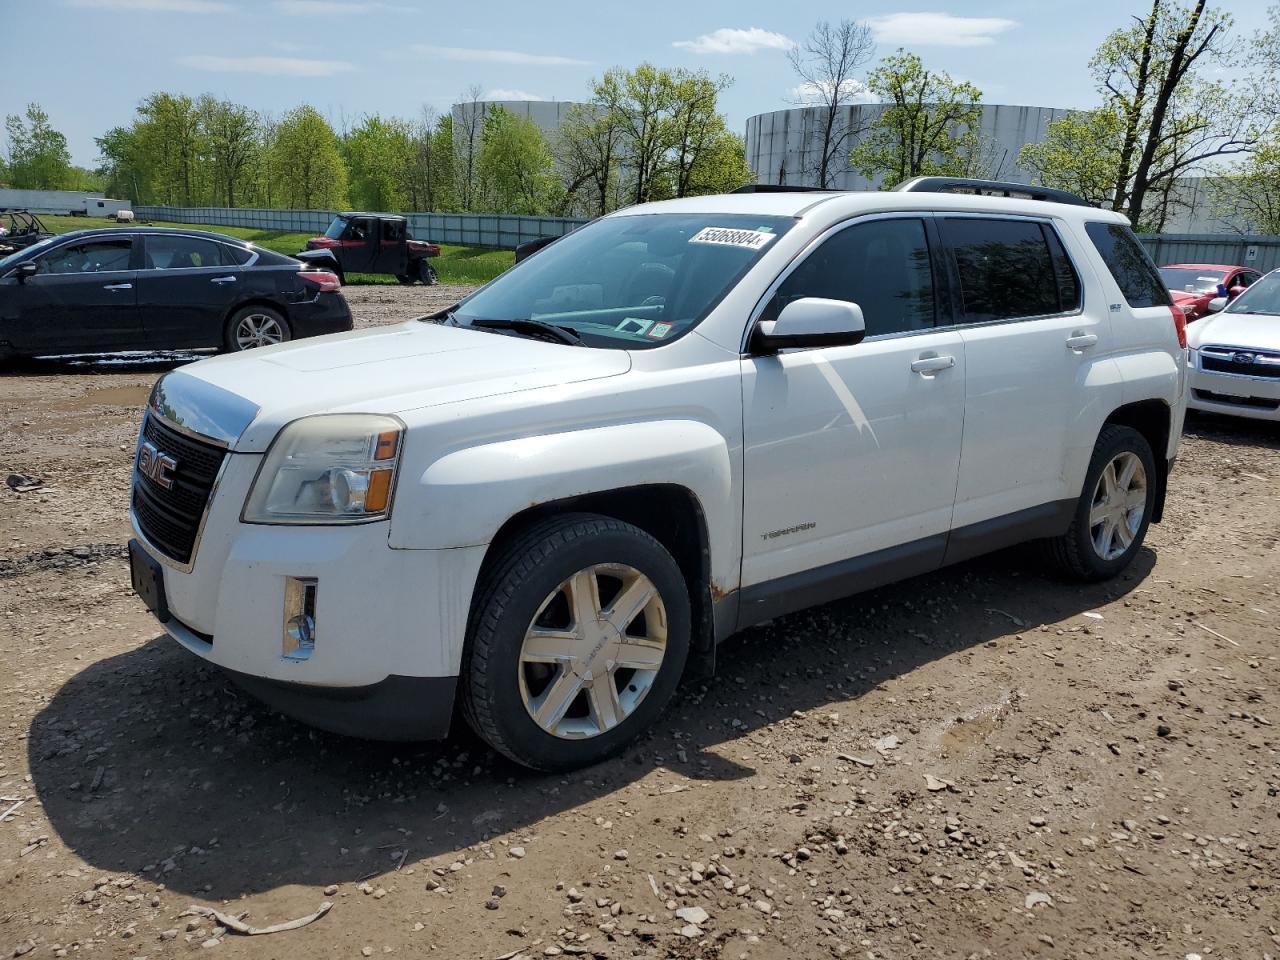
(781, 188)
(990, 188)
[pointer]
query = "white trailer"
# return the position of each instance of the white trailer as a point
(62, 203)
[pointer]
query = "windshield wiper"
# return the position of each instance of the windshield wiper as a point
(533, 328)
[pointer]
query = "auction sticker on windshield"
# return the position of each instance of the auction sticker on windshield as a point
(729, 237)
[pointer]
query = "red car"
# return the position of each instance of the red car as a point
(1193, 285)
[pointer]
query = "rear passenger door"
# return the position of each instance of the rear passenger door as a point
(851, 452)
(186, 290)
(392, 249)
(1031, 347)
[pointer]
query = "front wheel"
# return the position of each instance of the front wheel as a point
(578, 640)
(1114, 509)
(255, 326)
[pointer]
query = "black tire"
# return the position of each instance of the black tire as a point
(231, 339)
(511, 593)
(427, 274)
(405, 279)
(1075, 552)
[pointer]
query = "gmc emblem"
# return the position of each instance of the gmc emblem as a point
(156, 466)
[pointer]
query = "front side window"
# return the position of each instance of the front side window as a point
(358, 231)
(881, 265)
(182, 253)
(1006, 269)
(1134, 272)
(631, 281)
(95, 256)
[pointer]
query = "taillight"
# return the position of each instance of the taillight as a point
(328, 281)
(1180, 324)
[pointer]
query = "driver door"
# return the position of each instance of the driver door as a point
(81, 300)
(852, 453)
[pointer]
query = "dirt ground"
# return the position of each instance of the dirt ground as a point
(983, 762)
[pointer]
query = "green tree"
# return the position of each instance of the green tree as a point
(1080, 153)
(588, 150)
(515, 165)
(38, 158)
(380, 155)
(929, 125)
(307, 163)
(721, 166)
(171, 139)
(231, 139)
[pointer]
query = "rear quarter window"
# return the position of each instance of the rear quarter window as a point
(1134, 272)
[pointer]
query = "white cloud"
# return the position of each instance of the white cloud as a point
(154, 6)
(502, 93)
(473, 55)
(937, 29)
(337, 8)
(267, 66)
(735, 40)
(855, 91)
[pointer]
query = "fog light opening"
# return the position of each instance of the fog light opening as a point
(299, 638)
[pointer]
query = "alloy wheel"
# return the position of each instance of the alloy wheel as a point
(593, 651)
(258, 330)
(1119, 503)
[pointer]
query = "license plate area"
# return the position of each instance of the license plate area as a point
(147, 577)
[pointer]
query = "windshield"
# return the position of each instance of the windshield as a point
(336, 228)
(631, 281)
(1262, 297)
(1186, 280)
(24, 253)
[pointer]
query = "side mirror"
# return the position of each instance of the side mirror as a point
(810, 322)
(26, 269)
(1217, 303)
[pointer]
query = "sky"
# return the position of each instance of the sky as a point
(393, 57)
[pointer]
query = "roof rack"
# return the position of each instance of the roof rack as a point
(781, 188)
(990, 188)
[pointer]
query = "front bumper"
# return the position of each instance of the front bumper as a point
(389, 623)
(1257, 398)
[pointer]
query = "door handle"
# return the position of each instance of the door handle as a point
(932, 364)
(1081, 341)
(118, 286)
(223, 280)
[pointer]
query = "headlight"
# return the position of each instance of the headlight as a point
(336, 468)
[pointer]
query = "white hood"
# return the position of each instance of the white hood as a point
(385, 370)
(1249, 331)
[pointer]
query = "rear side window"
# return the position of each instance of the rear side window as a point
(182, 253)
(237, 256)
(1134, 271)
(882, 265)
(392, 231)
(1006, 269)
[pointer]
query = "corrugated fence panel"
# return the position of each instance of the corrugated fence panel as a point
(465, 229)
(508, 232)
(1261, 253)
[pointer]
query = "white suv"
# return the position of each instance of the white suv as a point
(553, 500)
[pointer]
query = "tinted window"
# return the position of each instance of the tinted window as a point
(93, 257)
(883, 266)
(1005, 269)
(1065, 271)
(1134, 272)
(392, 231)
(358, 230)
(234, 255)
(182, 253)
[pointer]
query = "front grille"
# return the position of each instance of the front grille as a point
(170, 519)
(1227, 360)
(1261, 403)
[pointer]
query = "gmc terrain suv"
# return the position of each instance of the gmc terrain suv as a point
(549, 502)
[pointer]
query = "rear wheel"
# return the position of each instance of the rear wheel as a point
(255, 326)
(427, 274)
(1114, 509)
(578, 640)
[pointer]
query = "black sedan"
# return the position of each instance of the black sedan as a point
(150, 288)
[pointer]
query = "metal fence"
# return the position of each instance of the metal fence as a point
(507, 232)
(469, 229)
(1261, 253)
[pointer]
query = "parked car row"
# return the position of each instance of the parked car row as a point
(150, 288)
(1193, 285)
